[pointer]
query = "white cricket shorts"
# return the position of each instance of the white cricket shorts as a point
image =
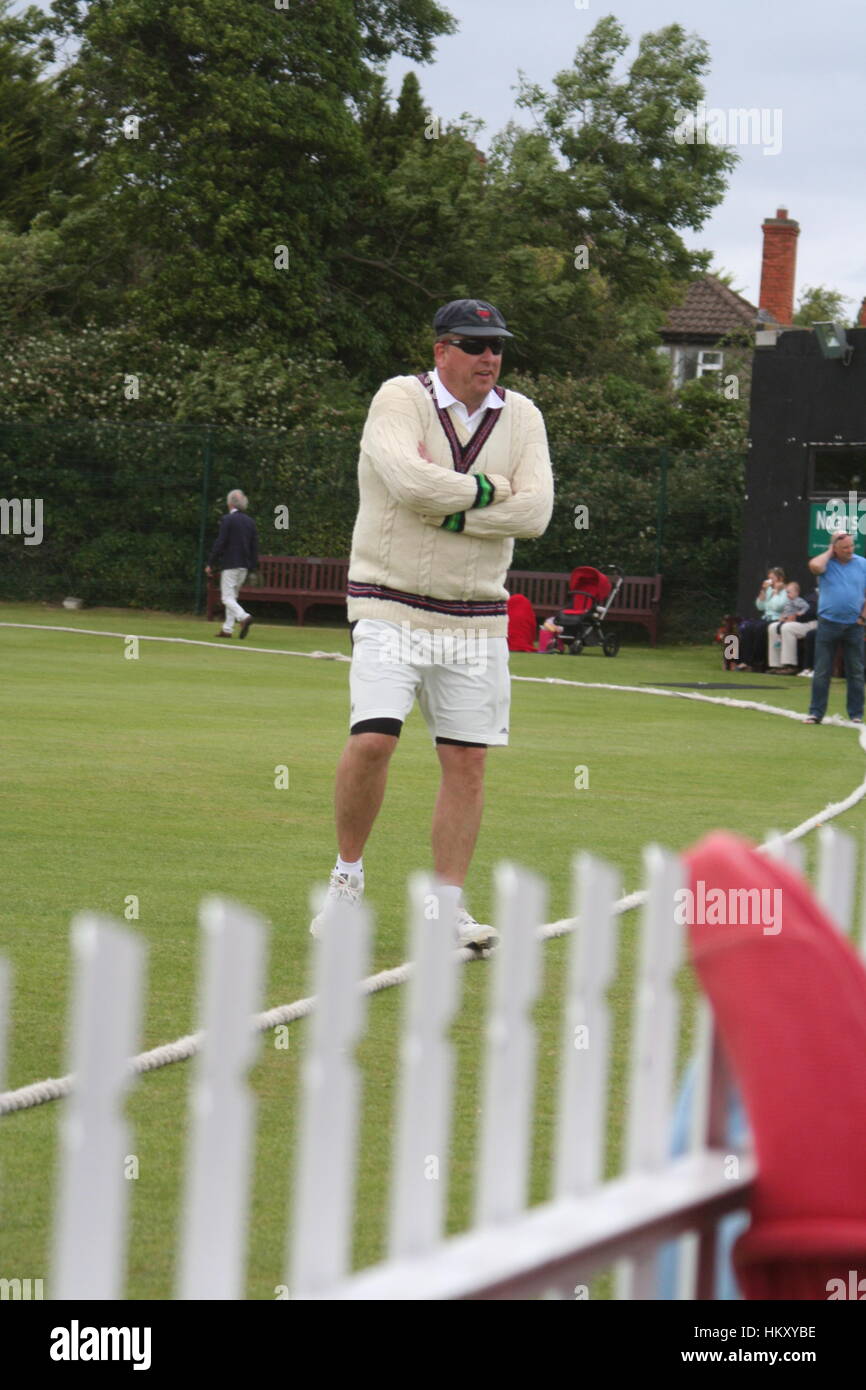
(460, 679)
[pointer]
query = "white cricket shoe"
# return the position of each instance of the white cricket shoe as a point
(471, 933)
(346, 888)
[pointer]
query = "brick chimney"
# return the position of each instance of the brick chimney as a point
(861, 317)
(779, 266)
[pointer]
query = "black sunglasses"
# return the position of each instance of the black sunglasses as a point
(475, 346)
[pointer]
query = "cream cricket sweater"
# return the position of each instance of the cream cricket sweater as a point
(404, 567)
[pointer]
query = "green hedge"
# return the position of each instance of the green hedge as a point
(124, 507)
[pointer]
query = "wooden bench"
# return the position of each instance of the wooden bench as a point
(305, 582)
(638, 600)
(302, 582)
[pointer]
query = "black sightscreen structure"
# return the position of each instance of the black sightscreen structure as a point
(808, 451)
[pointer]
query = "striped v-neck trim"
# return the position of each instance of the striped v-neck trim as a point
(464, 455)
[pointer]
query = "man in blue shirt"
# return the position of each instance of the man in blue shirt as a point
(841, 618)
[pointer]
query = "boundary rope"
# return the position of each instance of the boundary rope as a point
(53, 1088)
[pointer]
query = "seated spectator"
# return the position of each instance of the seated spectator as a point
(547, 634)
(806, 654)
(770, 601)
(783, 633)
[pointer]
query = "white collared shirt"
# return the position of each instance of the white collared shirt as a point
(445, 400)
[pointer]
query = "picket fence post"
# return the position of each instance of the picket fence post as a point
(91, 1220)
(421, 1149)
(586, 1030)
(837, 876)
(321, 1233)
(653, 1045)
(502, 1172)
(222, 1110)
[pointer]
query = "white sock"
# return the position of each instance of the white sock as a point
(449, 895)
(345, 867)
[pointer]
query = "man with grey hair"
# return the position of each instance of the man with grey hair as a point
(841, 619)
(235, 553)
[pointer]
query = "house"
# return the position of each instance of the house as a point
(696, 332)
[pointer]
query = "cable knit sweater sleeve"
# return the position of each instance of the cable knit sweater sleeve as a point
(390, 440)
(528, 510)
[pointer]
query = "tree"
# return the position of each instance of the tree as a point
(411, 116)
(573, 227)
(590, 205)
(387, 134)
(224, 143)
(817, 304)
(414, 241)
(37, 155)
(401, 26)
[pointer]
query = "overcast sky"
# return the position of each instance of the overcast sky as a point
(800, 56)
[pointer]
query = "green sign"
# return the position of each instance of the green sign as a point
(843, 513)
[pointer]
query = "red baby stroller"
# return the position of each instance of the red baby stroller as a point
(592, 594)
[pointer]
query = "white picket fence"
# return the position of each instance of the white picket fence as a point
(511, 1251)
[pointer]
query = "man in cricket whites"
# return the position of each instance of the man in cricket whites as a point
(452, 469)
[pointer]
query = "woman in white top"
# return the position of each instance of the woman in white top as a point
(770, 601)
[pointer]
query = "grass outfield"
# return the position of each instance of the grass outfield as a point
(155, 777)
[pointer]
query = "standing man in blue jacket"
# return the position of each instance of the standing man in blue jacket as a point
(841, 618)
(235, 554)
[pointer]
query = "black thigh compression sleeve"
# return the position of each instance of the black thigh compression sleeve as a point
(378, 726)
(461, 743)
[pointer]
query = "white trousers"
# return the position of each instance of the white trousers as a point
(230, 582)
(786, 654)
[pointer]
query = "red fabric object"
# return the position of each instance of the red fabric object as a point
(593, 585)
(791, 1011)
(522, 624)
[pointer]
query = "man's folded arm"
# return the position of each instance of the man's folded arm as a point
(527, 512)
(391, 444)
(523, 516)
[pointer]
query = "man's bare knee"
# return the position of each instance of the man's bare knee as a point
(462, 763)
(371, 748)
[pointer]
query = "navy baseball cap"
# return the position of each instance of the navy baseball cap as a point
(474, 318)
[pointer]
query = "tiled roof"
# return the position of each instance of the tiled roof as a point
(710, 308)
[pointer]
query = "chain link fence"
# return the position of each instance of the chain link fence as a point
(129, 512)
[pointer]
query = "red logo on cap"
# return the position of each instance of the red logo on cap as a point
(483, 313)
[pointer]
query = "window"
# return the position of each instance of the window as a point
(709, 362)
(688, 362)
(837, 470)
